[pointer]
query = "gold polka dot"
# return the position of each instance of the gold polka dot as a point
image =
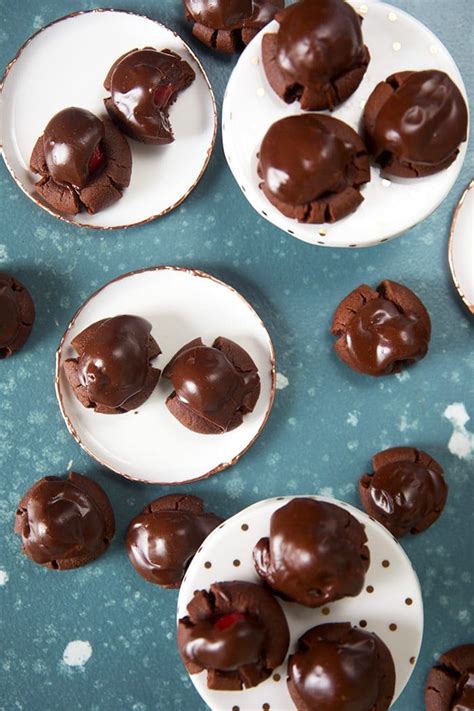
(433, 49)
(408, 601)
(386, 563)
(244, 527)
(322, 233)
(412, 660)
(235, 708)
(208, 564)
(392, 16)
(260, 91)
(326, 611)
(396, 46)
(266, 707)
(276, 677)
(254, 60)
(236, 563)
(363, 623)
(369, 589)
(392, 627)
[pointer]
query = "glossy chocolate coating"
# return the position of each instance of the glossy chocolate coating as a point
(205, 380)
(143, 83)
(336, 668)
(232, 14)
(423, 121)
(405, 493)
(300, 159)
(10, 319)
(464, 698)
(318, 41)
(379, 336)
(316, 553)
(114, 364)
(69, 140)
(225, 649)
(60, 521)
(163, 539)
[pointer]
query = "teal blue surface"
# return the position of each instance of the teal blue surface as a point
(325, 425)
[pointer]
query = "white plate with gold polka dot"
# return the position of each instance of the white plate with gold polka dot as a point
(390, 605)
(397, 41)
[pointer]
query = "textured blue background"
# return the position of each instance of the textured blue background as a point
(324, 428)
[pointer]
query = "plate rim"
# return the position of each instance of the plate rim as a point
(43, 205)
(193, 272)
(452, 230)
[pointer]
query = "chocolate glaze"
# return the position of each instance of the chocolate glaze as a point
(301, 159)
(70, 140)
(205, 380)
(318, 41)
(232, 14)
(60, 521)
(10, 319)
(464, 698)
(423, 121)
(143, 84)
(114, 364)
(316, 553)
(163, 539)
(337, 667)
(380, 335)
(450, 683)
(228, 647)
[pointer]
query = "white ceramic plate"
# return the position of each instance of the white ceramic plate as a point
(395, 600)
(396, 41)
(65, 64)
(461, 247)
(149, 444)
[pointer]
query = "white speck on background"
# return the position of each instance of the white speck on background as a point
(281, 381)
(3, 577)
(3, 253)
(405, 424)
(326, 491)
(352, 419)
(403, 376)
(77, 653)
(461, 443)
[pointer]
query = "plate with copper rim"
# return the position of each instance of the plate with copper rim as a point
(149, 444)
(397, 41)
(391, 603)
(162, 176)
(461, 247)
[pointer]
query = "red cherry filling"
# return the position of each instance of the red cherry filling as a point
(162, 95)
(96, 159)
(226, 621)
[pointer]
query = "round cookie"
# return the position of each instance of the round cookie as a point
(414, 123)
(317, 56)
(340, 667)
(237, 631)
(144, 83)
(78, 146)
(450, 683)
(65, 522)
(162, 540)
(17, 315)
(214, 386)
(113, 372)
(316, 553)
(406, 492)
(381, 331)
(229, 25)
(312, 168)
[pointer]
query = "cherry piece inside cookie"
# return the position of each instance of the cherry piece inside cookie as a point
(17, 315)
(143, 84)
(113, 372)
(162, 540)
(84, 161)
(237, 632)
(214, 386)
(229, 25)
(317, 56)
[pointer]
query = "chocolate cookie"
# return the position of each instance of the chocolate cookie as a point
(317, 57)
(85, 162)
(338, 667)
(113, 373)
(450, 683)
(17, 315)
(312, 168)
(229, 25)
(316, 553)
(214, 386)
(162, 540)
(406, 492)
(237, 632)
(380, 331)
(414, 123)
(65, 522)
(143, 84)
